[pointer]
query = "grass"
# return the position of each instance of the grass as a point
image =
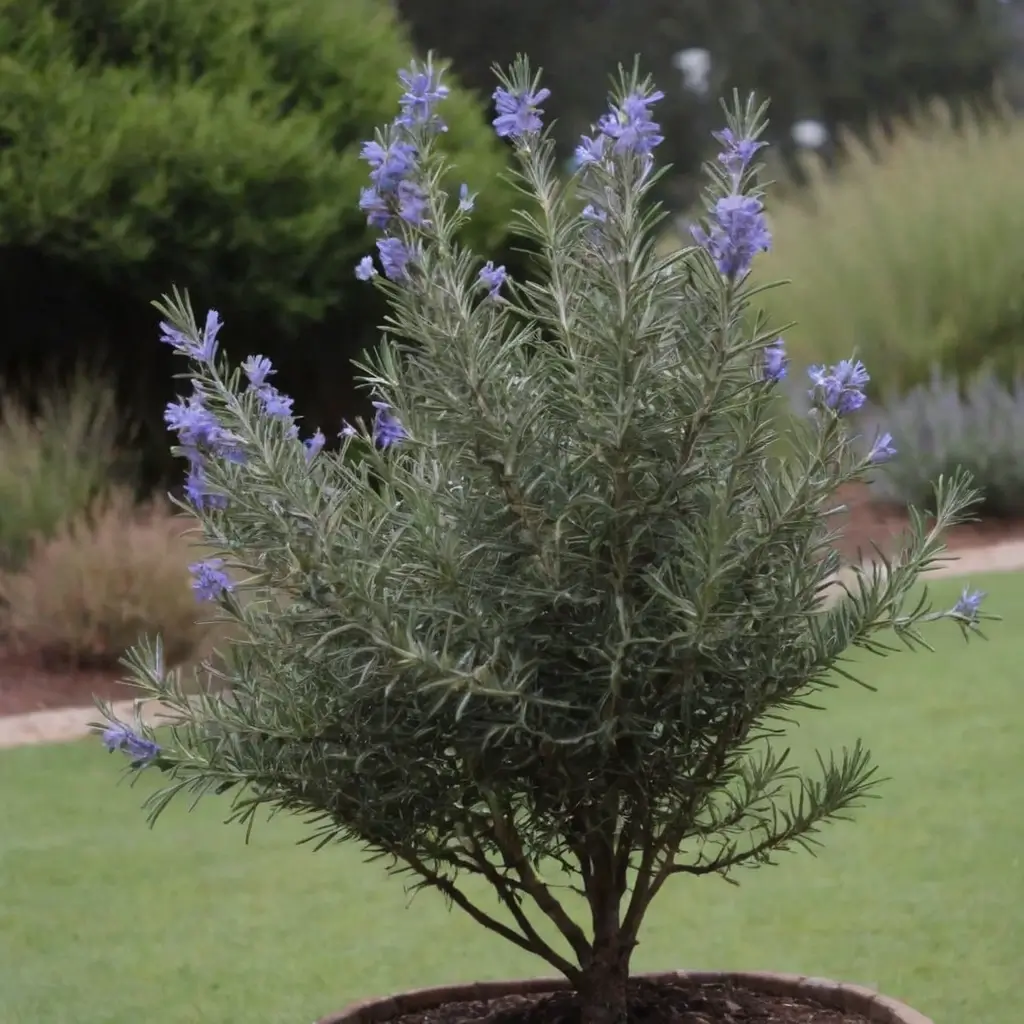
(105, 922)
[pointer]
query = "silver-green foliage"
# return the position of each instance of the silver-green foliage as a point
(560, 625)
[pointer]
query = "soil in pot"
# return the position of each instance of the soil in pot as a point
(649, 1003)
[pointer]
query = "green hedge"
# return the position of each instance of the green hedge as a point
(210, 145)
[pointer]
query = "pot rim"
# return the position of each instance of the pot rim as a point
(835, 995)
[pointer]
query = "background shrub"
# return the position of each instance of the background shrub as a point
(213, 146)
(55, 460)
(115, 572)
(939, 426)
(912, 253)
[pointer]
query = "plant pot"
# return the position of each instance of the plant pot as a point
(851, 999)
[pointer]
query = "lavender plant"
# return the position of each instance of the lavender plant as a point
(543, 630)
(942, 426)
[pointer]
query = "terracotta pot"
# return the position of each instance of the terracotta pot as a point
(850, 998)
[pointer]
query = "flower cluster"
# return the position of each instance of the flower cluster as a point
(396, 194)
(739, 230)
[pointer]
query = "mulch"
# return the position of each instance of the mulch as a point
(649, 1003)
(27, 684)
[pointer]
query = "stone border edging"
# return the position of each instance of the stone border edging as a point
(834, 995)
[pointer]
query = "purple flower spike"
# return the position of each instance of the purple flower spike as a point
(395, 257)
(738, 233)
(423, 91)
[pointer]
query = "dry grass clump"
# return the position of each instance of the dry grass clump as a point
(117, 571)
(54, 460)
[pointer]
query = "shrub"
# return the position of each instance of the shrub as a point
(941, 427)
(118, 571)
(910, 253)
(557, 615)
(54, 461)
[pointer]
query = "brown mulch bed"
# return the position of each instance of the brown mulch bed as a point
(649, 1003)
(27, 685)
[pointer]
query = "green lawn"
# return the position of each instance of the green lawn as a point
(105, 922)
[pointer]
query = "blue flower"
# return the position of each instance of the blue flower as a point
(387, 428)
(274, 403)
(365, 269)
(738, 152)
(373, 204)
(630, 126)
(389, 164)
(395, 257)
(423, 90)
(518, 113)
(122, 737)
(775, 361)
(590, 150)
(968, 604)
(738, 234)
(195, 425)
(314, 445)
(412, 204)
(209, 580)
(840, 387)
(492, 278)
(197, 490)
(466, 201)
(592, 213)
(882, 450)
(258, 369)
(202, 350)
(347, 430)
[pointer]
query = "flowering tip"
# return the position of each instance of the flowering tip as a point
(209, 581)
(365, 270)
(387, 428)
(466, 200)
(839, 387)
(882, 450)
(518, 113)
(119, 736)
(968, 605)
(423, 91)
(629, 125)
(314, 445)
(201, 348)
(257, 369)
(492, 278)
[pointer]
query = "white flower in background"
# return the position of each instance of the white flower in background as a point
(694, 64)
(809, 134)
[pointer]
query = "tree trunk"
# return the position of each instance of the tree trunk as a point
(602, 989)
